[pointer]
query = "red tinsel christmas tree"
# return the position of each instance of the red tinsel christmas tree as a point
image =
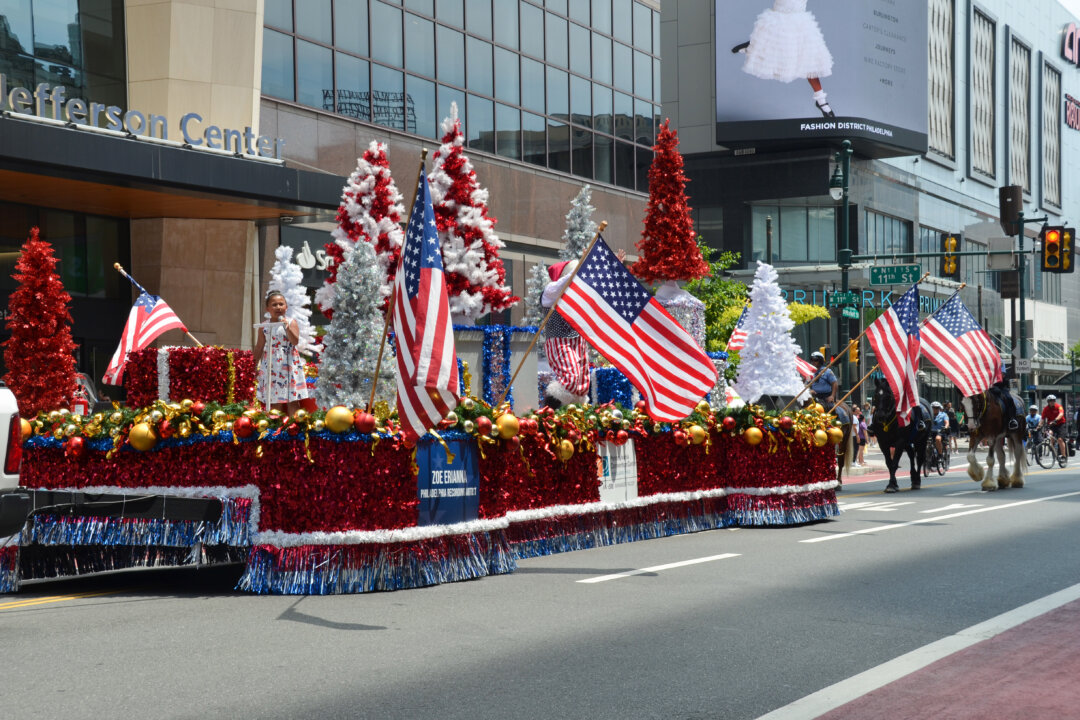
(39, 355)
(371, 211)
(470, 248)
(668, 248)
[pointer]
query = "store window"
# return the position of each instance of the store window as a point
(800, 234)
(941, 50)
(982, 96)
(56, 42)
(1051, 135)
(886, 235)
(1019, 136)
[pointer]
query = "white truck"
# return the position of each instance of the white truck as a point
(14, 505)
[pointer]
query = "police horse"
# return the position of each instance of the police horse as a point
(895, 439)
(988, 420)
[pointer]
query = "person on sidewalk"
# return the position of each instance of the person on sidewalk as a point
(954, 426)
(860, 436)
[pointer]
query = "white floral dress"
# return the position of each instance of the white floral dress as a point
(787, 44)
(286, 368)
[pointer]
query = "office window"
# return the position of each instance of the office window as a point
(1019, 114)
(313, 20)
(1051, 135)
(350, 25)
(942, 72)
(478, 64)
(419, 45)
(387, 23)
(277, 65)
(885, 234)
(983, 119)
(800, 235)
(508, 131)
(314, 75)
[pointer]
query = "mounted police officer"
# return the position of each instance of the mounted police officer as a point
(826, 387)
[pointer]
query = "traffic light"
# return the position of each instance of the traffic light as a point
(1067, 258)
(1052, 255)
(950, 262)
(853, 352)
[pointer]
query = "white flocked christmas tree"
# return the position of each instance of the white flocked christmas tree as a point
(580, 227)
(767, 362)
(353, 339)
(287, 278)
(534, 292)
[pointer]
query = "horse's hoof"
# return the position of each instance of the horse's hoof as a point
(892, 487)
(989, 487)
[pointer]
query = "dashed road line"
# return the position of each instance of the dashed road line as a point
(657, 568)
(49, 599)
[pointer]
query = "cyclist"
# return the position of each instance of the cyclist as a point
(940, 425)
(1053, 421)
(1032, 420)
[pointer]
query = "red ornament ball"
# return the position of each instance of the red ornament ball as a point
(621, 437)
(292, 429)
(728, 423)
(680, 437)
(75, 446)
(364, 422)
(786, 423)
(198, 407)
(243, 427)
(166, 428)
(640, 406)
(483, 425)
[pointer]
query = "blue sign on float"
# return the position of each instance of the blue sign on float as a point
(449, 491)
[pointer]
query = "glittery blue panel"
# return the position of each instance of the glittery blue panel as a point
(9, 567)
(718, 355)
(332, 570)
(610, 385)
(497, 356)
(232, 529)
(589, 531)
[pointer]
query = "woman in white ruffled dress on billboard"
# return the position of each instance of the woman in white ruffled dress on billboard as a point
(786, 44)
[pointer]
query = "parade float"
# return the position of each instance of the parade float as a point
(193, 470)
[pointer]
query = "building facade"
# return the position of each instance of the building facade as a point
(997, 83)
(191, 138)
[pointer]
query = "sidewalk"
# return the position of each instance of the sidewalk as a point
(875, 460)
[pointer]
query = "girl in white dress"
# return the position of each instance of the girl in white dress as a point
(786, 44)
(281, 368)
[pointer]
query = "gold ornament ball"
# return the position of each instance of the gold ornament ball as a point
(228, 426)
(116, 418)
(218, 416)
(703, 407)
(70, 429)
(186, 404)
(753, 436)
(507, 426)
(58, 433)
(697, 434)
(26, 427)
(318, 425)
(820, 438)
(816, 407)
(54, 416)
(339, 419)
(142, 437)
(262, 425)
(156, 416)
(300, 415)
(565, 450)
(835, 435)
(468, 403)
(469, 426)
(113, 432)
(98, 418)
(451, 418)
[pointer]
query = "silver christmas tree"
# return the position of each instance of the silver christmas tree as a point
(534, 291)
(352, 342)
(580, 227)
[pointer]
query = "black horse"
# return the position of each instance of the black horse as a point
(895, 439)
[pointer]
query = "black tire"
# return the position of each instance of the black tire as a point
(1063, 459)
(947, 461)
(1044, 455)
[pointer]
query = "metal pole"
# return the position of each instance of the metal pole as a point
(1023, 377)
(768, 239)
(844, 157)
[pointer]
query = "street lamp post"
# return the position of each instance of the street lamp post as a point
(838, 189)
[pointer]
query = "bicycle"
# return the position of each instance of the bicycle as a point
(1047, 451)
(936, 461)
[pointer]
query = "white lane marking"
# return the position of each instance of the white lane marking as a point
(964, 492)
(845, 691)
(936, 518)
(873, 505)
(657, 568)
(888, 506)
(954, 506)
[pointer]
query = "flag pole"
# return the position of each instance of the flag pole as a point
(838, 356)
(921, 324)
(543, 322)
(389, 315)
(120, 269)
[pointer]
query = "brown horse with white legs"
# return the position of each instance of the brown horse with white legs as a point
(988, 421)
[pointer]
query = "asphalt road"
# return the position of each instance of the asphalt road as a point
(758, 620)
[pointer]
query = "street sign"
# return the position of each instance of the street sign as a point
(895, 274)
(850, 312)
(843, 298)
(1023, 365)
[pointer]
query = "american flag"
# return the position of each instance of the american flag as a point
(738, 336)
(427, 363)
(806, 369)
(619, 317)
(962, 350)
(895, 339)
(149, 317)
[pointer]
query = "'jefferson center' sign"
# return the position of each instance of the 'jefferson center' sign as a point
(46, 101)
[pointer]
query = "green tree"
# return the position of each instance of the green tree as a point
(723, 297)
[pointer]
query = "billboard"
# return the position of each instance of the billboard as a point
(792, 73)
